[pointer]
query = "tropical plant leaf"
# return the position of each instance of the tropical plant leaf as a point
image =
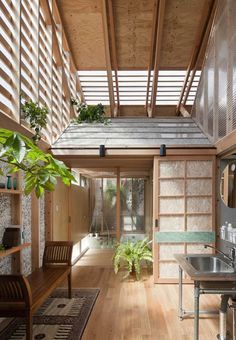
(41, 169)
(36, 116)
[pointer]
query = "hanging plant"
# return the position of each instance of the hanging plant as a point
(36, 116)
(41, 170)
(89, 113)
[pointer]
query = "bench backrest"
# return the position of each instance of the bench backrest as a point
(14, 289)
(57, 252)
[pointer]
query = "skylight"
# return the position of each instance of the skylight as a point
(133, 87)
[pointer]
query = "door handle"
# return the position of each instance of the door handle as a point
(156, 223)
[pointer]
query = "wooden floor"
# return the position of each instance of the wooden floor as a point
(130, 310)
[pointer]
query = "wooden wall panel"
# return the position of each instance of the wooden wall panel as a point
(60, 212)
(139, 110)
(79, 212)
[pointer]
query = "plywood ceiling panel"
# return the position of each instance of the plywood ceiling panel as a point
(133, 29)
(181, 22)
(82, 20)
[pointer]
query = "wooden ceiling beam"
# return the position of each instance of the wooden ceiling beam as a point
(108, 59)
(114, 55)
(160, 24)
(196, 52)
(201, 51)
(184, 112)
(46, 12)
(151, 59)
(55, 13)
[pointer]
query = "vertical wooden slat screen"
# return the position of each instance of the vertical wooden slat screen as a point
(45, 70)
(9, 51)
(56, 99)
(36, 63)
(29, 50)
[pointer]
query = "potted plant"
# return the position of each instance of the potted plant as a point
(36, 116)
(131, 255)
(40, 169)
(89, 113)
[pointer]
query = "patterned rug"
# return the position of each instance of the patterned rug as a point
(58, 318)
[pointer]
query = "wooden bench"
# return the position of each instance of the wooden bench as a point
(21, 296)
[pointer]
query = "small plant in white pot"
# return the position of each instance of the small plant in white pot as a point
(131, 255)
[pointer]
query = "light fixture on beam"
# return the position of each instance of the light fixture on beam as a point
(163, 150)
(102, 150)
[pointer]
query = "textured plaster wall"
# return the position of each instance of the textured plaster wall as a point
(5, 221)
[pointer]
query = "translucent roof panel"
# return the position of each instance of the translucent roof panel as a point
(133, 87)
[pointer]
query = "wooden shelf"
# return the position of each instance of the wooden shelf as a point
(4, 253)
(11, 191)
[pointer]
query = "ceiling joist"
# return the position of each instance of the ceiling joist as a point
(105, 20)
(202, 36)
(113, 51)
(157, 57)
(202, 50)
(184, 112)
(153, 40)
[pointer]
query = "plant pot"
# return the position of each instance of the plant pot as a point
(133, 272)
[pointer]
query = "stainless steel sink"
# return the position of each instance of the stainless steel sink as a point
(209, 264)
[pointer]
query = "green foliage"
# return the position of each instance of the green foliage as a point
(37, 117)
(89, 113)
(110, 195)
(2, 247)
(131, 255)
(41, 169)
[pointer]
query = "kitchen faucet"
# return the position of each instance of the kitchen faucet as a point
(231, 258)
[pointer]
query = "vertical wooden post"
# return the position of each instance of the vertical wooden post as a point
(48, 216)
(118, 226)
(226, 185)
(69, 232)
(35, 231)
(17, 77)
(102, 215)
(108, 58)
(160, 25)
(16, 219)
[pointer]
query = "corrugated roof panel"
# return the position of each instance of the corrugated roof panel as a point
(133, 132)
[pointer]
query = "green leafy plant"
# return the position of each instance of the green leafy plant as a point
(89, 113)
(2, 247)
(41, 170)
(37, 117)
(130, 255)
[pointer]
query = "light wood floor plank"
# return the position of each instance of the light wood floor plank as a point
(131, 310)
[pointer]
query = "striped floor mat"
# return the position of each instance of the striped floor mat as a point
(58, 318)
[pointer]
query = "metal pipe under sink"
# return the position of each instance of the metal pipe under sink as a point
(233, 307)
(198, 290)
(223, 317)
